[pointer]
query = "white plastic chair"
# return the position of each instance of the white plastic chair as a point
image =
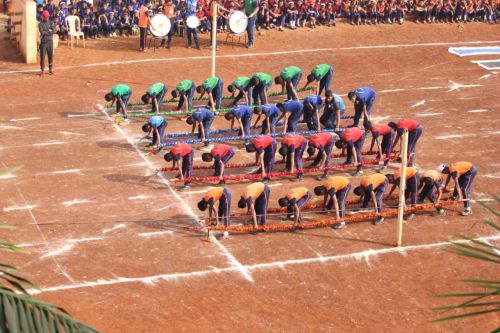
(74, 30)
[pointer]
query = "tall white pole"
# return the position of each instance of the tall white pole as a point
(402, 185)
(214, 34)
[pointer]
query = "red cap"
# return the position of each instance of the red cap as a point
(45, 14)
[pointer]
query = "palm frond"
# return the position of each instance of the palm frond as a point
(22, 313)
(469, 314)
(487, 299)
(452, 307)
(11, 248)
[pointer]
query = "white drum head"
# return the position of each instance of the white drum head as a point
(238, 22)
(192, 22)
(159, 25)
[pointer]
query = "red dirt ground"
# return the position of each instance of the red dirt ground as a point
(97, 258)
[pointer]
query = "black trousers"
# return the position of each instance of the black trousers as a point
(144, 35)
(46, 48)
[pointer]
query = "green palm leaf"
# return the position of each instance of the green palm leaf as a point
(21, 313)
(487, 301)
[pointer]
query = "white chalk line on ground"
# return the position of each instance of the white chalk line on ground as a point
(255, 267)
(457, 136)
(244, 55)
(430, 114)
(73, 202)
(44, 239)
(24, 119)
(95, 169)
(118, 226)
(232, 260)
(62, 172)
(477, 111)
(23, 207)
(155, 233)
(53, 143)
(140, 197)
(68, 245)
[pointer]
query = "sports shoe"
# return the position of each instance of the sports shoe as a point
(440, 212)
(323, 176)
(340, 225)
(299, 177)
(410, 216)
(378, 220)
(357, 173)
(51, 72)
(467, 211)
(126, 121)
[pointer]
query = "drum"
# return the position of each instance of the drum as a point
(238, 22)
(192, 22)
(159, 25)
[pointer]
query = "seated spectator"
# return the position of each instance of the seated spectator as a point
(312, 15)
(263, 16)
(125, 24)
(113, 24)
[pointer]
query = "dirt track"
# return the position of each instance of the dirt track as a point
(82, 208)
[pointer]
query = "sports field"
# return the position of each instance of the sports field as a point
(112, 247)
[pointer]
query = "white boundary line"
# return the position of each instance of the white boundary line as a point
(242, 55)
(232, 260)
(254, 267)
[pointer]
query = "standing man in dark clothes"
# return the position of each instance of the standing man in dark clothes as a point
(251, 8)
(143, 24)
(47, 29)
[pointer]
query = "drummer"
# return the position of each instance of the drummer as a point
(213, 87)
(251, 10)
(191, 22)
(169, 11)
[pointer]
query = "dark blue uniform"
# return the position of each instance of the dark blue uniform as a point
(272, 113)
(295, 110)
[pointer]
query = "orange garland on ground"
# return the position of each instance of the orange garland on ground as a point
(328, 222)
(246, 165)
(277, 174)
(305, 208)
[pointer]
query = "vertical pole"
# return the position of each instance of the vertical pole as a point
(214, 34)
(402, 184)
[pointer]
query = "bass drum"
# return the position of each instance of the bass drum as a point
(238, 22)
(192, 22)
(159, 25)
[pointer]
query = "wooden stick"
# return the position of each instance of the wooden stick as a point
(214, 34)
(402, 185)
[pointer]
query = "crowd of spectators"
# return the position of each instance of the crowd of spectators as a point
(113, 17)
